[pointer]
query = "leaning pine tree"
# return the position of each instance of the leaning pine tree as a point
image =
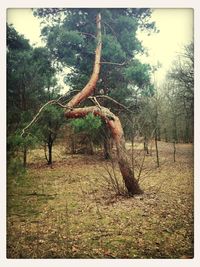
(72, 37)
(112, 121)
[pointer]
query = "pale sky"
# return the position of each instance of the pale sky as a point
(175, 26)
(176, 30)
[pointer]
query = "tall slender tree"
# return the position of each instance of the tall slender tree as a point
(179, 97)
(182, 75)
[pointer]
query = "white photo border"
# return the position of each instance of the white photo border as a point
(4, 262)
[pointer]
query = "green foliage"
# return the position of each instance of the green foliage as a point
(91, 130)
(126, 34)
(30, 76)
(138, 73)
(16, 41)
(48, 127)
(16, 168)
(57, 36)
(89, 125)
(49, 123)
(15, 148)
(70, 36)
(16, 145)
(16, 142)
(112, 50)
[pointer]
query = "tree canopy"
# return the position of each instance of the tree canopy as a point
(30, 79)
(70, 37)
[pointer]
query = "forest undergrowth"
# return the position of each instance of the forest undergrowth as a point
(70, 211)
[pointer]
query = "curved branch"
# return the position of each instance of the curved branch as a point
(104, 113)
(37, 115)
(111, 99)
(90, 86)
(87, 33)
(113, 63)
(51, 102)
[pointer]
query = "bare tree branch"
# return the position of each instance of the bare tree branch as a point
(37, 115)
(51, 102)
(113, 100)
(87, 33)
(110, 28)
(113, 63)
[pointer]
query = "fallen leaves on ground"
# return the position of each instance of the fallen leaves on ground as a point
(68, 211)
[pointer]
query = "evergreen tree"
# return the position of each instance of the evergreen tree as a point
(48, 126)
(70, 36)
(29, 75)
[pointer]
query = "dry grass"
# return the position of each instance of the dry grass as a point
(68, 211)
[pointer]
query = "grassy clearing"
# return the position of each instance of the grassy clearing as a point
(69, 211)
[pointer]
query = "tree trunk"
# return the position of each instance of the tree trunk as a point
(132, 154)
(186, 131)
(72, 142)
(118, 135)
(146, 145)
(91, 147)
(90, 86)
(156, 144)
(174, 146)
(25, 156)
(50, 153)
(107, 147)
(115, 127)
(111, 120)
(45, 151)
(158, 134)
(175, 136)
(50, 146)
(165, 132)
(130, 182)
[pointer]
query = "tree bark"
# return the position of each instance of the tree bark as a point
(106, 147)
(25, 156)
(156, 144)
(90, 149)
(146, 145)
(90, 86)
(73, 150)
(166, 137)
(174, 154)
(49, 145)
(50, 154)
